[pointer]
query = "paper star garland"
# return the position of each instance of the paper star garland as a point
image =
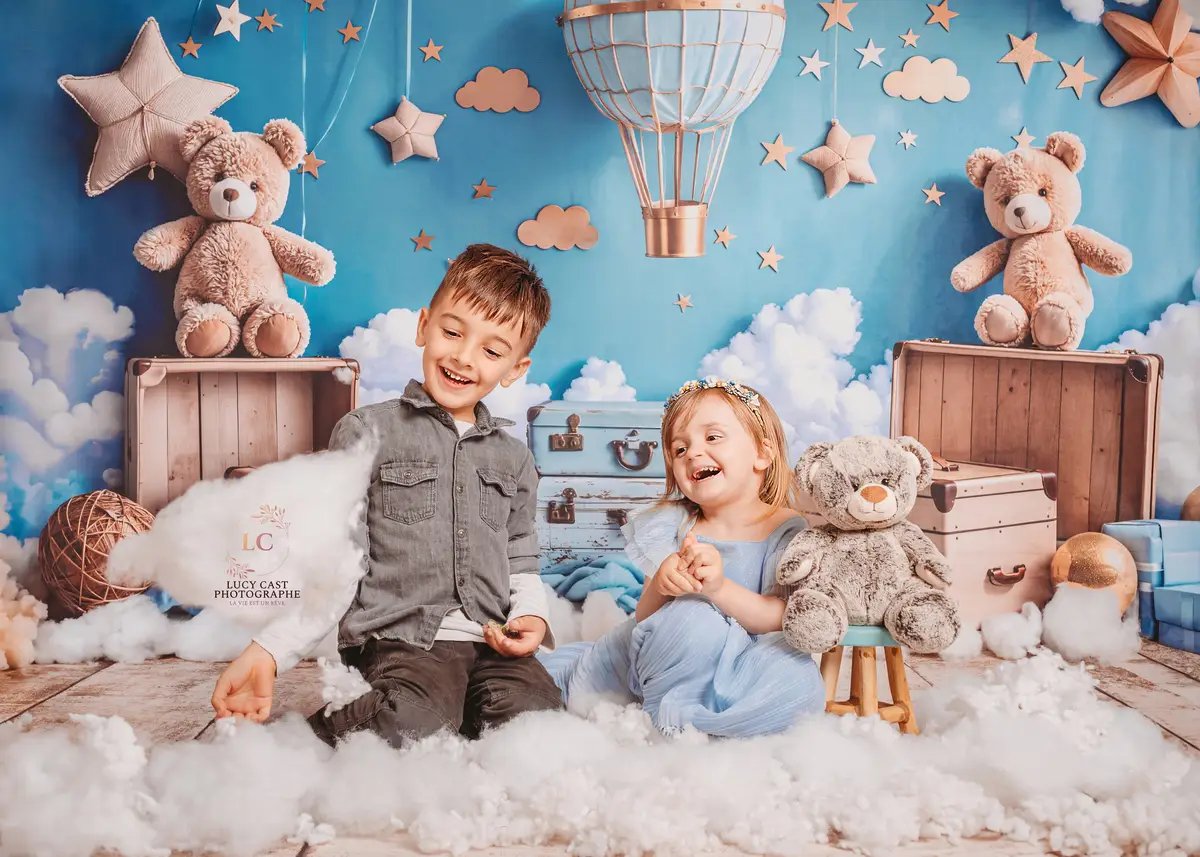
(941, 14)
(837, 14)
(813, 65)
(422, 241)
(410, 131)
(777, 152)
(231, 20)
(1024, 138)
(684, 302)
(267, 21)
(431, 51)
(483, 190)
(1024, 54)
(1074, 77)
(907, 139)
(349, 32)
(843, 159)
(191, 48)
(770, 259)
(724, 236)
(141, 110)
(870, 54)
(932, 194)
(311, 164)
(909, 38)
(1164, 59)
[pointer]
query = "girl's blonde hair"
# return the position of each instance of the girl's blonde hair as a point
(778, 487)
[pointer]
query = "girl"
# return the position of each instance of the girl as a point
(702, 648)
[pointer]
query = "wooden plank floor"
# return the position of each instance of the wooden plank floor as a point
(1160, 682)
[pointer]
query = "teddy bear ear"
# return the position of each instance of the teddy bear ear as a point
(980, 163)
(806, 467)
(200, 133)
(285, 137)
(924, 460)
(1067, 148)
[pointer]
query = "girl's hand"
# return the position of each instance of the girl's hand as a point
(704, 563)
(672, 580)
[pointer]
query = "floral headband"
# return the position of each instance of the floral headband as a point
(744, 394)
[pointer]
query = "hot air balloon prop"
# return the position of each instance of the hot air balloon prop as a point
(674, 75)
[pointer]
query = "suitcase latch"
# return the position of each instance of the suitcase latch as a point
(642, 451)
(571, 441)
(996, 577)
(618, 516)
(562, 513)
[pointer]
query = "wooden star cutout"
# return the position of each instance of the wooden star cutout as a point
(431, 51)
(770, 259)
(932, 194)
(267, 21)
(141, 110)
(1074, 77)
(777, 152)
(231, 20)
(1164, 59)
(483, 190)
(315, 5)
(907, 139)
(838, 14)
(941, 14)
(422, 241)
(870, 54)
(191, 48)
(1024, 54)
(1024, 138)
(349, 32)
(724, 236)
(843, 159)
(813, 65)
(909, 38)
(410, 131)
(311, 164)
(684, 302)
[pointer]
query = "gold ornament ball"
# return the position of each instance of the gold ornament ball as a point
(1191, 507)
(1096, 561)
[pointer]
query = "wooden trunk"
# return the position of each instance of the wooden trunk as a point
(1090, 417)
(193, 419)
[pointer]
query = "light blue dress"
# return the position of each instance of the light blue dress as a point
(691, 665)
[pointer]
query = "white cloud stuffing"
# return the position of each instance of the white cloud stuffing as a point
(20, 613)
(388, 357)
(1086, 623)
(600, 381)
(1011, 635)
(795, 355)
(1089, 11)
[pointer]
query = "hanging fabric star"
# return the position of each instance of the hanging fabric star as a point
(777, 152)
(1164, 59)
(141, 110)
(267, 21)
(191, 48)
(431, 51)
(724, 236)
(813, 65)
(843, 159)
(311, 164)
(1074, 77)
(410, 132)
(1024, 54)
(770, 259)
(941, 14)
(231, 20)
(838, 14)
(349, 32)
(1024, 138)
(870, 54)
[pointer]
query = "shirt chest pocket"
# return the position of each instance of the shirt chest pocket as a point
(409, 490)
(496, 492)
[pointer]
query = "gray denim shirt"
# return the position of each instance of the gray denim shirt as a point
(447, 519)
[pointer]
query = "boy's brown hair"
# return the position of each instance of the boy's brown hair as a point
(501, 285)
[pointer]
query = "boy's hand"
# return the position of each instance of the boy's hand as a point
(672, 579)
(247, 686)
(703, 562)
(518, 638)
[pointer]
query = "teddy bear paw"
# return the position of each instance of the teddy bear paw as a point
(278, 336)
(925, 620)
(1058, 323)
(812, 622)
(1001, 320)
(208, 339)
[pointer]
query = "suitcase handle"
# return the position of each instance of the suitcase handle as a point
(996, 577)
(642, 449)
(236, 472)
(942, 464)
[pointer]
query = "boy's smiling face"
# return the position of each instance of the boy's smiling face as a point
(466, 354)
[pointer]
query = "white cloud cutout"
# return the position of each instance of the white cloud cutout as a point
(795, 355)
(1089, 11)
(388, 357)
(600, 381)
(63, 321)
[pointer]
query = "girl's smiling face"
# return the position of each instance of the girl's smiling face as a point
(714, 459)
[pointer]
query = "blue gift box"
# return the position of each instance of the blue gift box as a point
(1179, 638)
(1178, 605)
(1167, 553)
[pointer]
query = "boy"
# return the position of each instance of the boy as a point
(448, 534)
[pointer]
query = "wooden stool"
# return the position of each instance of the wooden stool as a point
(864, 698)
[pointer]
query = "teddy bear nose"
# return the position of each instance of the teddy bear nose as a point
(873, 493)
(1019, 211)
(230, 194)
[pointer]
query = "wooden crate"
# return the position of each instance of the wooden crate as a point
(1090, 417)
(193, 419)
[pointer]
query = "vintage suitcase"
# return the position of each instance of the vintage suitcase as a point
(1167, 553)
(1090, 417)
(617, 439)
(996, 527)
(580, 517)
(192, 419)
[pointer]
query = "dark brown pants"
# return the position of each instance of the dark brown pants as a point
(460, 686)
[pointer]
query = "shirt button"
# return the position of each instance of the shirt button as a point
(462, 532)
(459, 488)
(408, 474)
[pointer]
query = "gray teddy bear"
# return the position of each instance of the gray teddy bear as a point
(866, 564)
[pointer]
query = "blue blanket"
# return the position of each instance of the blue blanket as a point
(615, 574)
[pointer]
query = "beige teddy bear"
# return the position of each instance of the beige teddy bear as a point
(233, 257)
(1032, 197)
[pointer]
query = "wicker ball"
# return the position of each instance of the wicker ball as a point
(1096, 561)
(75, 543)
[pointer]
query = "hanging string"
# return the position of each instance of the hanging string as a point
(408, 40)
(836, 41)
(195, 14)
